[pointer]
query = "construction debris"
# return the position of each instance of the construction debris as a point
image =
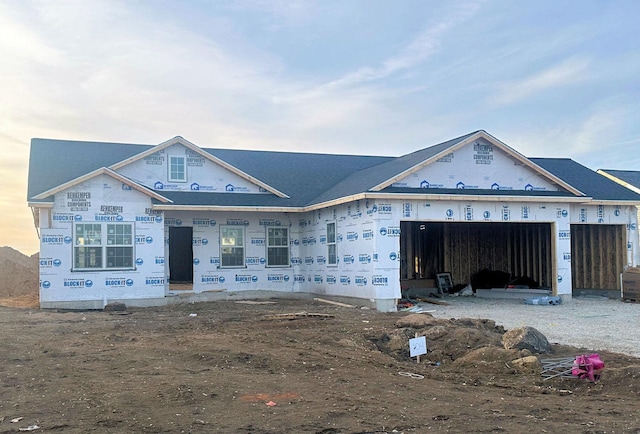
(297, 315)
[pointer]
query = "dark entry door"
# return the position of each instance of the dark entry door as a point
(181, 254)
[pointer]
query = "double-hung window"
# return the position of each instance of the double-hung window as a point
(232, 246)
(332, 248)
(103, 246)
(277, 247)
(177, 168)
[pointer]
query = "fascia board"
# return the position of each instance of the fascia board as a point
(40, 204)
(382, 196)
(504, 147)
(98, 172)
(187, 144)
(619, 181)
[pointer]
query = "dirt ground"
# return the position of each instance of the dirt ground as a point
(288, 366)
(215, 367)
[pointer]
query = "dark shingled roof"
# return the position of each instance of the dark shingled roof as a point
(586, 180)
(305, 177)
(629, 176)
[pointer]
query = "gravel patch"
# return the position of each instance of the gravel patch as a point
(592, 323)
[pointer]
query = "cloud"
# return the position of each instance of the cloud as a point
(566, 73)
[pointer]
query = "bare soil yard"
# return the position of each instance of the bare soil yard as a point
(213, 367)
(246, 368)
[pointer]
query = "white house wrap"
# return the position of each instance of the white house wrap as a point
(144, 224)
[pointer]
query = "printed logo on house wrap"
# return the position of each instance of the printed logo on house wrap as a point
(246, 278)
(159, 260)
(564, 235)
(73, 283)
(364, 258)
(345, 280)
(352, 236)
(317, 279)
(331, 279)
(107, 218)
(141, 239)
(277, 278)
(393, 256)
(269, 222)
(298, 278)
(360, 281)
(203, 222)
(566, 256)
(308, 241)
(348, 259)
(139, 261)
(213, 279)
(54, 239)
(526, 210)
(50, 262)
(66, 218)
(237, 222)
(321, 260)
(172, 222)
(117, 282)
(390, 231)
(308, 260)
(214, 260)
(197, 241)
(154, 281)
(45, 284)
(148, 219)
(255, 260)
(367, 234)
(196, 261)
(631, 226)
(378, 280)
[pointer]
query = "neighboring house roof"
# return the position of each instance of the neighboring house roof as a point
(628, 178)
(591, 183)
(299, 180)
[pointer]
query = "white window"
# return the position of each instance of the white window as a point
(277, 247)
(177, 168)
(103, 246)
(231, 246)
(332, 248)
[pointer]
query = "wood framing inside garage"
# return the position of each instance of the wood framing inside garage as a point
(598, 256)
(520, 249)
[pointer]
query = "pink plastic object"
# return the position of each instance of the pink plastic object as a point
(588, 366)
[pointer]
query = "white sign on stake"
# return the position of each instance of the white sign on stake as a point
(418, 346)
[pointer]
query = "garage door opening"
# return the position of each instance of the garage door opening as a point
(598, 257)
(518, 250)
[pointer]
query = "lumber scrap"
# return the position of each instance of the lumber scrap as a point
(297, 315)
(336, 303)
(433, 301)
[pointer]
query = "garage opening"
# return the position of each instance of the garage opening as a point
(598, 257)
(514, 250)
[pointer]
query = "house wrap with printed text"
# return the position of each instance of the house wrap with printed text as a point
(147, 225)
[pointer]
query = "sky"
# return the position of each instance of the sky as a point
(548, 78)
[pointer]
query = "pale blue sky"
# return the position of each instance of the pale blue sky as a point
(548, 78)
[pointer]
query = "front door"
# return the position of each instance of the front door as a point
(180, 255)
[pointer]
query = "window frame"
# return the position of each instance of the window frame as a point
(233, 246)
(333, 243)
(101, 244)
(286, 247)
(170, 165)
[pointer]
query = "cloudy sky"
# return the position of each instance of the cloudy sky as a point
(375, 77)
